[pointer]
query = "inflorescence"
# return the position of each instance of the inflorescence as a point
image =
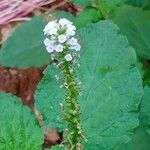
(60, 37)
(63, 46)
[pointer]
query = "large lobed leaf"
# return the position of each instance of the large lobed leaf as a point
(18, 127)
(113, 88)
(141, 138)
(135, 23)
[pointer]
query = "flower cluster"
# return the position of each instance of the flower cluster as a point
(60, 37)
(60, 41)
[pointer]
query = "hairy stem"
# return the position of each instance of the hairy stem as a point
(72, 111)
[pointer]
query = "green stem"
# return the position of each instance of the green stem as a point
(72, 111)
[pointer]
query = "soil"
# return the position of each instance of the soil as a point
(21, 83)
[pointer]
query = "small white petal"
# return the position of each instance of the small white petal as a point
(71, 27)
(62, 38)
(50, 49)
(73, 41)
(77, 47)
(70, 30)
(64, 22)
(59, 48)
(46, 41)
(68, 57)
(51, 28)
(53, 31)
(70, 33)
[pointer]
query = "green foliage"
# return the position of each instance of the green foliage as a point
(109, 72)
(107, 6)
(140, 141)
(18, 127)
(25, 47)
(135, 23)
(141, 138)
(57, 148)
(48, 99)
(89, 15)
(83, 2)
(145, 107)
(140, 3)
(140, 67)
(113, 88)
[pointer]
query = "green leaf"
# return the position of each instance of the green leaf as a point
(145, 107)
(25, 47)
(18, 127)
(48, 99)
(141, 138)
(140, 3)
(135, 23)
(112, 93)
(140, 141)
(56, 148)
(89, 15)
(107, 6)
(83, 2)
(140, 67)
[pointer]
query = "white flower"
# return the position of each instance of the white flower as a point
(68, 57)
(62, 38)
(53, 31)
(48, 42)
(77, 47)
(50, 48)
(64, 22)
(70, 30)
(71, 27)
(59, 48)
(60, 34)
(73, 41)
(51, 28)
